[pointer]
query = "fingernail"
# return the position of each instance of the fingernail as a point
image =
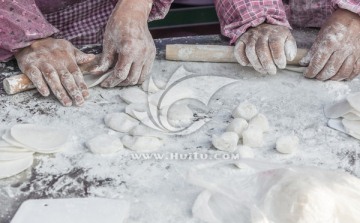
(79, 100)
(67, 102)
(85, 94)
(45, 92)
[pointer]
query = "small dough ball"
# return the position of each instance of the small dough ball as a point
(226, 142)
(104, 144)
(260, 121)
(245, 152)
(142, 143)
(120, 122)
(287, 144)
(133, 95)
(129, 109)
(180, 115)
(237, 125)
(245, 110)
(253, 137)
(149, 86)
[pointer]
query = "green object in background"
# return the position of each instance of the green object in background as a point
(187, 17)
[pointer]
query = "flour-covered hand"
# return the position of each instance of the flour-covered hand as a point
(266, 48)
(335, 54)
(55, 63)
(128, 44)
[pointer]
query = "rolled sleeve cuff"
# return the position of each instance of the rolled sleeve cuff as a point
(159, 9)
(235, 30)
(351, 5)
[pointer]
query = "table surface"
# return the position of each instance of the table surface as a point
(158, 189)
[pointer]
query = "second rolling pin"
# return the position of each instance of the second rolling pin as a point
(212, 53)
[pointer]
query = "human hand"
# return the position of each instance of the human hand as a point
(335, 55)
(266, 48)
(54, 63)
(127, 43)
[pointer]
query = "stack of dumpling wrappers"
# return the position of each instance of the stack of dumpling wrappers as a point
(345, 115)
(19, 143)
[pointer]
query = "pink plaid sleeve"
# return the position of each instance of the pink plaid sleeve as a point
(21, 22)
(351, 5)
(160, 9)
(236, 16)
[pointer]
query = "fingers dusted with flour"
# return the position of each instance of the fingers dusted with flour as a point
(336, 50)
(53, 63)
(128, 44)
(266, 47)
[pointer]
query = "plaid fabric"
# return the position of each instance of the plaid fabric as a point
(20, 22)
(81, 23)
(236, 16)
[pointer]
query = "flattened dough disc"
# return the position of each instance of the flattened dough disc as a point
(9, 156)
(39, 137)
(11, 168)
(338, 109)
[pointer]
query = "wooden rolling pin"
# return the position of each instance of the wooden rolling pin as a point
(177, 52)
(212, 53)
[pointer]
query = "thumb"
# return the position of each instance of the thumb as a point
(107, 58)
(82, 58)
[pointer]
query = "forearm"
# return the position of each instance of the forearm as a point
(21, 22)
(236, 16)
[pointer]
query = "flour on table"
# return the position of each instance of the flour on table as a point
(142, 143)
(104, 144)
(245, 110)
(237, 125)
(226, 141)
(120, 122)
(133, 95)
(287, 144)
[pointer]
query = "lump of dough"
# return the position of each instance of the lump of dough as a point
(226, 142)
(129, 109)
(237, 125)
(309, 198)
(104, 144)
(260, 121)
(142, 130)
(180, 115)
(287, 144)
(39, 138)
(245, 152)
(149, 86)
(245, 110)
(253, 137)
(120, 122)
(142, 143)
(11, 168)
(133, 95)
